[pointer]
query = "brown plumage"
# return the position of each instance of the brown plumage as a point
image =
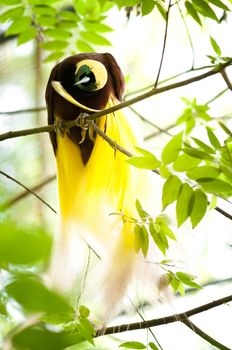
(57, 105)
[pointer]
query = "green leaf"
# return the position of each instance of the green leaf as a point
(200, 203)
(172, 149)
(153, 346)
(161, 9)
(11, 14)
(167, 231)
(195, 153)
(33, 296)
(224, 127)
(215, 46)
(3, 310)
(39, 338)
(147, 6)
(147, 162)
(54, 56)
(142, 213)
(203, 145)
(10, 2)
(164, 172)
(84, 311)
(187, 279)
(191, 10)
(69, 16)
(67, 25)
(213, 138)
(97, 27)
(124, 3)
(203, 7)
(220, 4)
(23, 246)
(185, 162)
(58, 33)
(137, 233)
(184, 204)
(55, 45)
(83, 46)
(171, 190)
(132, 345)
(203, 172)
(19, 25)
(46, 21)
(157, 238)
(26, 36)
(215, 186)
(95, 38)
(44, 10)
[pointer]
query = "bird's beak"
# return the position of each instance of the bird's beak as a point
(62, 92)
(83, 80)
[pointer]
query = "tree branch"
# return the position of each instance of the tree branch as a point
(27, 189)
(204, 335)
(163, 320)
(23, 194)
(152, 92)
(164, 44)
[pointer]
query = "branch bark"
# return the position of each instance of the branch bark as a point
(163, 320)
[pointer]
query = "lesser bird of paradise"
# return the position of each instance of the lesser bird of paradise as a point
(94, 180)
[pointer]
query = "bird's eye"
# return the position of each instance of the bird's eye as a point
(90, 75)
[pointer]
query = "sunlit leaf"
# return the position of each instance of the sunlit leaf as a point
(11, 14)
(95, 38)
(203, 172)
(220, 4)
(200, 202)
(215, 46)
(26, 36)
(142, 213)
(185, 162)
(19, 25)
(21, 246)
(184, 204)
(213, 138)
(147, 6)
(203, 145)
(46, 21)
(69, 16)
(203, 7)
(97, 27)
(10, 2)
(54, 56)
(83, 46)
(44, 10)
(153, 346)
(58, 33)
(146, 162)
(197, 153)
(132, 345)
(191, 10)
(215, 186)
(171, 190)
(33, 296)
(172, 149)
(54, 45)
(187, 279)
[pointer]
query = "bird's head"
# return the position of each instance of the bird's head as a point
(87, 81)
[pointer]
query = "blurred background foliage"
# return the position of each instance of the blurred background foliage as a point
(35, 34)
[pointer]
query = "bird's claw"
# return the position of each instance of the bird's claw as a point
(59, 126)
(82, 123)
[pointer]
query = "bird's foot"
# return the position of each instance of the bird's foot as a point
(83, 124)
(59, 126)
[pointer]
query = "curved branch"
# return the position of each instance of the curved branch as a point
(124, 104)
(182, 317)
(27, 189)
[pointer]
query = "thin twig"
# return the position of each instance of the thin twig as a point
(26, 110)
(204, 335)
(164, 44)
(164, 320)
(226, 78)
(152, 92)
(23, 194)
(27, 189)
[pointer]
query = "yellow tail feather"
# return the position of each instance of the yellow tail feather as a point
(105, 185)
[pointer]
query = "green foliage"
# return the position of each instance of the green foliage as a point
(179, 279)
(204, 8)
(133, 345)
(147, 161)
(23, 245)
